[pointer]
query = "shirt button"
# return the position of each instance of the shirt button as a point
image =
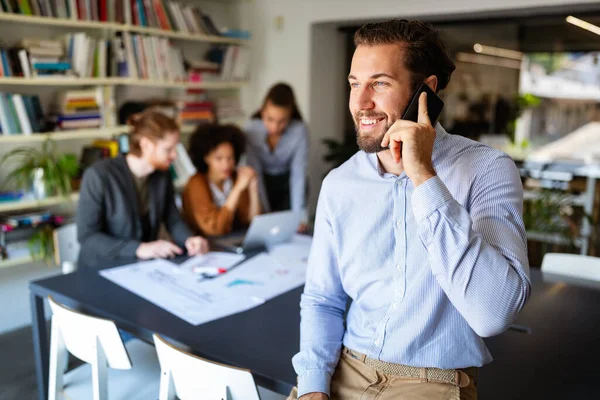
(377, 342)
(398, 224)
(399, 266)
(394, 306)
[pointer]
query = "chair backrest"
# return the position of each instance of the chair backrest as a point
(572, 265)
(66, 246)
(80, 333)
(190, 377)
(93, 340)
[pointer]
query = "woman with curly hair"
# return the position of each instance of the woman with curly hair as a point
(219, 199)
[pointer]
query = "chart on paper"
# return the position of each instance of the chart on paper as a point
(196, 299)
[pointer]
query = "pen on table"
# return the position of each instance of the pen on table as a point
(209, 270)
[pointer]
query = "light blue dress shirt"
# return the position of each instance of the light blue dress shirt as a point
(290, 155)
(429, 270)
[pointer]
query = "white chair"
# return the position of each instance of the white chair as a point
(572, 265)
(189, 377)
(66, 247)
(116, 371)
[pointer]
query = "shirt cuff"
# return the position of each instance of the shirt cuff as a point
(315, 381)
(428, 197)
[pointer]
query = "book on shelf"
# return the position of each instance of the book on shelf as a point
(236, 63)
(131, 55)
(148, 57)
(160, 14)
(20, 114)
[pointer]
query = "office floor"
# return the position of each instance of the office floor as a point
(17, 369)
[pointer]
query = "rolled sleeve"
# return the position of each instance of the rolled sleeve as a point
(429, 196)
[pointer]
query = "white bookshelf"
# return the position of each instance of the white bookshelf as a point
(182, 85)
(60, 82)
(118, 81)
(58, 22)
(65, 135)
(115, 27)
(184, 36)
(10, 21)
(22, 205)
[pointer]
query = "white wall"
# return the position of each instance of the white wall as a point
(287, 54)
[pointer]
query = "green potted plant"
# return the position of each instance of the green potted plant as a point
(45, 171)
(552, 212)
(41, 244)
(522, 103)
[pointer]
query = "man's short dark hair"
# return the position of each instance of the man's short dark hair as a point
(425, 54)
(208, 137)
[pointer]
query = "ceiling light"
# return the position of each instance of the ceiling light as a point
(497, 51)
(488, 60)
(583, 24)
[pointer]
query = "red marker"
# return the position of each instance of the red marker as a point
(209, 270)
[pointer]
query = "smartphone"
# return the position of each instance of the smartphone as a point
(434, 105)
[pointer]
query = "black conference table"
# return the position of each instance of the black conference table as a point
(554, 355)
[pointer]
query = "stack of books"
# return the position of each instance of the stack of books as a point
(203, 71)
(80, 109)
(192, 113)
(45, 58)
(20, 114)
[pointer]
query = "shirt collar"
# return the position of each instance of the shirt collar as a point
(440, 134)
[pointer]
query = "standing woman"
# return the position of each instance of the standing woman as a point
(124, 200)
(278, 150)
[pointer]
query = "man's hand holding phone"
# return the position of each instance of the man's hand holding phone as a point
(412, 142)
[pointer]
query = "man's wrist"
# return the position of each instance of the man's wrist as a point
(423, 177)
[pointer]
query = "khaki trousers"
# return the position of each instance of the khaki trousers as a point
(354, 380)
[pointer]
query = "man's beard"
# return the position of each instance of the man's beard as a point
(366, 142)
(371, 143)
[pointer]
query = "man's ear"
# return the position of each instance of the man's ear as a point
(432, 82)
(145, 143)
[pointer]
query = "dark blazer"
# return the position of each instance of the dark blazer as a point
(108, 226)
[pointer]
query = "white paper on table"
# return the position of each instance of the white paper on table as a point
(178, 291)
(293, 253)
(187, 296)
(262, 278)
(212, 259)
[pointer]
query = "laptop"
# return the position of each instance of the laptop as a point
(265, 230)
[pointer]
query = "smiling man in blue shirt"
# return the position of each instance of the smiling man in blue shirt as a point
(422, 230)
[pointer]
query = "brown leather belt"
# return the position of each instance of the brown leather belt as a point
(456, 377)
